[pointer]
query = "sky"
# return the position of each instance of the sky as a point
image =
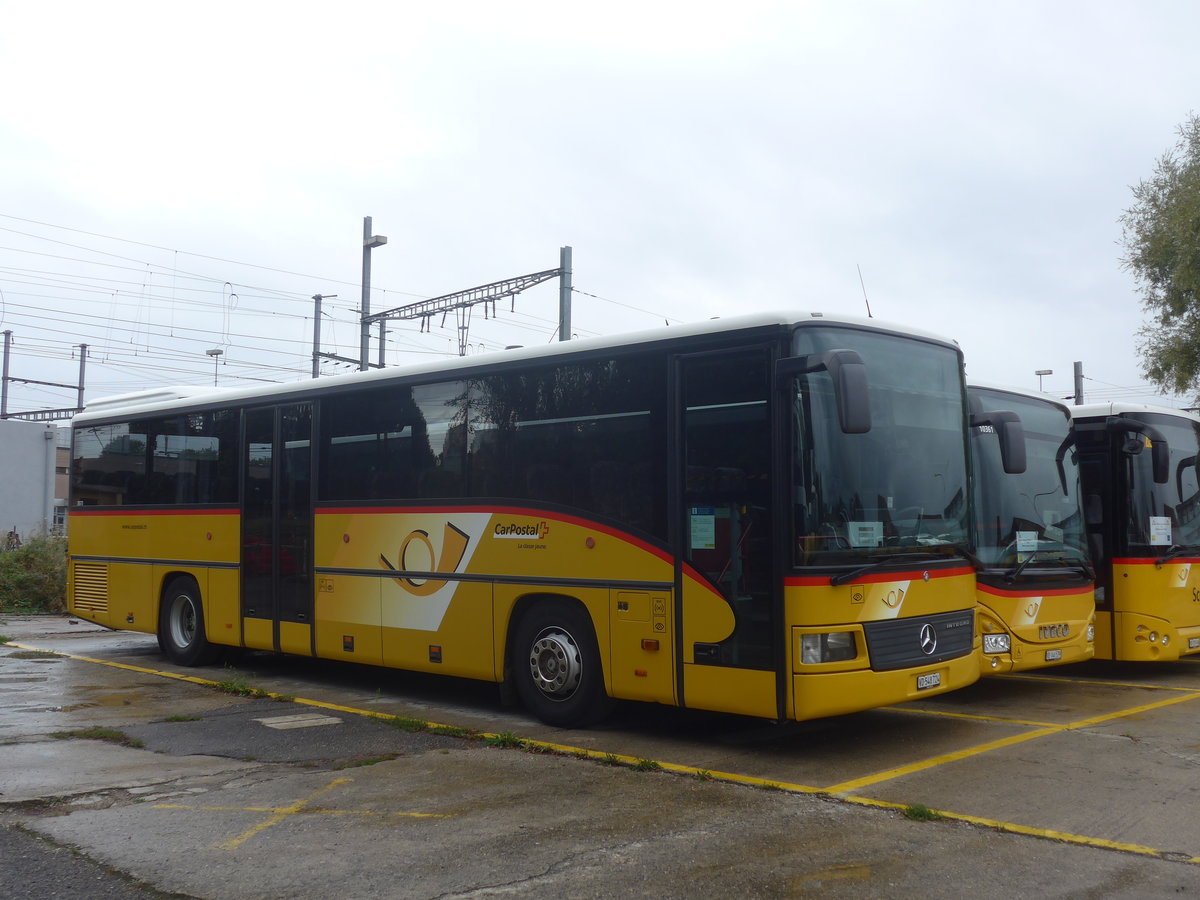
(180, 178)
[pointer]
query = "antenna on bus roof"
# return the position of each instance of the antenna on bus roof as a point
(864, 287)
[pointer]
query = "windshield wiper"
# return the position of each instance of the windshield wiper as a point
(976, 563)
(1014, 573)
(1083, 568)
(880, 562)
(1173, 552)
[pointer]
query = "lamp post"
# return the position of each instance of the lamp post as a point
(1039, 373)
(370, 242)
(214, 353)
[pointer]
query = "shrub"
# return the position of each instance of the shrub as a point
(33, 578)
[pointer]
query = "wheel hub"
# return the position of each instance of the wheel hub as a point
(555, 663)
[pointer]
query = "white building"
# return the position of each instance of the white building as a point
(29, 504)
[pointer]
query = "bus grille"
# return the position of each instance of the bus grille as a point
(904, 643)
(90, 588)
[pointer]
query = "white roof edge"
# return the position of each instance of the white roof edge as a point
(1120, 407)
(164, 399)
(1020, 392)
(146, 397)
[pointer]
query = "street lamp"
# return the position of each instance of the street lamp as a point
(214, 353)
(1039, 373)
(370, 242)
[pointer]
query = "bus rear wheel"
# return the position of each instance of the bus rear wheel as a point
(556, 666)
(181, 626)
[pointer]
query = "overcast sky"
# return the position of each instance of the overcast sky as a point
(178, 178)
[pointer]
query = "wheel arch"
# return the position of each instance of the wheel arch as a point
(532, 599)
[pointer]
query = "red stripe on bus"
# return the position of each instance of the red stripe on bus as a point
(498, 511)
(1151, 560)
(880, 578)
(1058, 592)
(126, 511)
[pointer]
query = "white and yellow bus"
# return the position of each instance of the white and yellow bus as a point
(1035, 579)
(763, 515)
(1139, 467)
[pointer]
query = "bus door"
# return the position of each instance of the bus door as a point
(277, 529)
(729, 617)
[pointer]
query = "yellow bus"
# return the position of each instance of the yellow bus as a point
(764, 515)
(1035, 580)
(1142, 497)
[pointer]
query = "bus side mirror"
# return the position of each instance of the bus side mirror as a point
(849, 374)
(1011, 434)
(1160, 453)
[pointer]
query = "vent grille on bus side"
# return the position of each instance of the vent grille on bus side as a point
(900, 643)
(90, 588)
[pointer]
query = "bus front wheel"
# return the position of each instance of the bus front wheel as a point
(181, 626)
(556, 666)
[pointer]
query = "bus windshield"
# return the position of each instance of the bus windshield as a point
(899, 488)
(1165, 515)
(1036, 512)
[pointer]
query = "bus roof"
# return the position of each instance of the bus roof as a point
(1020, 392)
(1122, 408)
(166, 399)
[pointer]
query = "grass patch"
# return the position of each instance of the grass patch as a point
(5, 639)
(239, 687)
(182, 719)
(33, 578)
(456, 731)
(108, 735)
(505, 741)
(704, 775)
(34, 654)
(404, 723)
(918, 812)
(646, 765)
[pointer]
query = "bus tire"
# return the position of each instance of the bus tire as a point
(181, 625)
(556, 665)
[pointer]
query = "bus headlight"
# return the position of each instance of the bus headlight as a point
(834, 646)
(996, 643)
(1091, 633)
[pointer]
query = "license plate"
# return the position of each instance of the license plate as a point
(932, 680)
(1053, 655)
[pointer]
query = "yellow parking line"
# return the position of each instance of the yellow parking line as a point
(901, 771)
(1046, 833)
(1002, 720)
(1062, 679)
(838, 791)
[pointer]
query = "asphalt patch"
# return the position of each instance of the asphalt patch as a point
(283, 732)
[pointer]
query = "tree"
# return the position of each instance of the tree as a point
(1161, 236)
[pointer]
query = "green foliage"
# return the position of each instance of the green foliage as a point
(33, 578)
(920, 813)
(504, 740)
(238, 686)
(1161, 236)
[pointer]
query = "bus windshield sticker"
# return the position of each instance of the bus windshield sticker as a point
(1027, 541)
(1160, 531)
(865, 534)
(704, 528)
